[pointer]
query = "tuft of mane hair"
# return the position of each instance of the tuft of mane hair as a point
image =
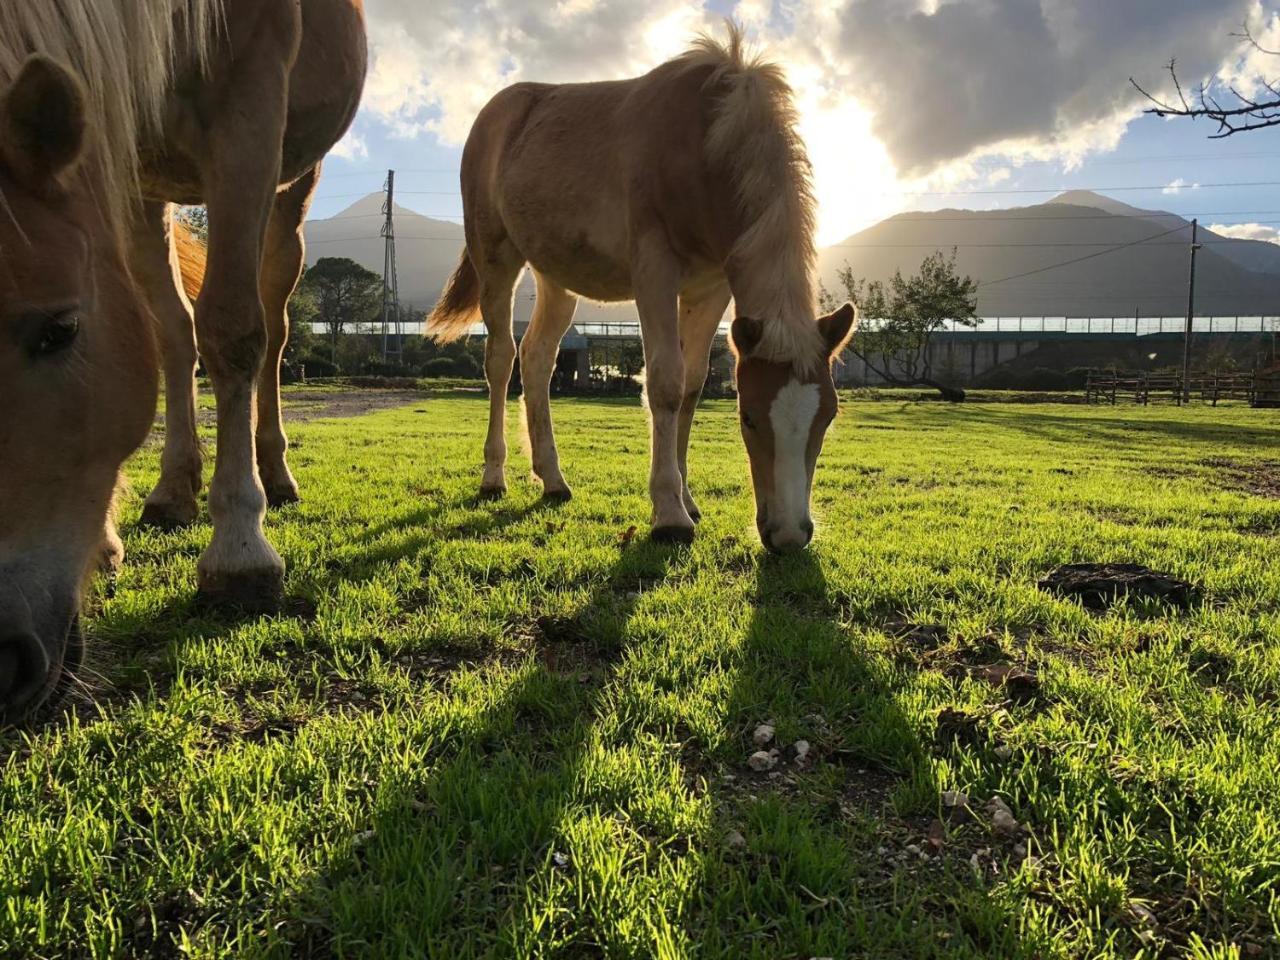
(125, 52)
(753, 138)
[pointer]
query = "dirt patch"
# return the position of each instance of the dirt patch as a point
(1261, 478)
(1099, 585)
(303, 405)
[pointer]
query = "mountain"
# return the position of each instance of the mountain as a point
(1148, 278)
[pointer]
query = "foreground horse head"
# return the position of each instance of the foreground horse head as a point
(77, 377)
(785, 409)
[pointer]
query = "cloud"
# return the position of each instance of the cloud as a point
(353, 146)
(435, 65)
(1247, 231)
(896, 96)
(950, 77)
(1175, 187)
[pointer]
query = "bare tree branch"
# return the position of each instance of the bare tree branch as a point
(1245, 113)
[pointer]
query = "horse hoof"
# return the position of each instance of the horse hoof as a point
(668, 535)
(166, 516)
(492, 493)
(282, 496)
(558, 496)
(249, 592)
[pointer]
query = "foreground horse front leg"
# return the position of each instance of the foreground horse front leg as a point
(552, 315)
(281, 268)
(153, 260)
(240, 568)
(700, 314)
(657, 279)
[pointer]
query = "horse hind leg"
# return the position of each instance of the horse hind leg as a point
(281, 268)
(498, 275)
(172, 503)
(552, 315)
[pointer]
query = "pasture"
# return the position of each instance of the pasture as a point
(520, 729)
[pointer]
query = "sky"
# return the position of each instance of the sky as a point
(904, 104)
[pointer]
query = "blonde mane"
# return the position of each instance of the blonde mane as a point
(753, 138)
(125, 53)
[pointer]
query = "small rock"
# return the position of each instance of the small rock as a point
(762, 760)
(802, 749)
(561, 860)
(360, 839)
(763, 735)
(1252, 949)
(1002, 819)
(1004, 753)
(937, 835)
(1020, 851)
(913, 848)
(735, 840)
(955, 798)
(1141, 914)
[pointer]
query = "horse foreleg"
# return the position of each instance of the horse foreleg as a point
(657, 281)
(281, 268)
(552, 315)
(700, 315)
(240, 567)
(154, 264)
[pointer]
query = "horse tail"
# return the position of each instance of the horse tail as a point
(459, 305)
(192, 256)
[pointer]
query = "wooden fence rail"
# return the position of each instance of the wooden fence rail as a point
(1109, 386)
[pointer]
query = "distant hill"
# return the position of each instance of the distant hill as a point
(1236, 277)
(1233, 277)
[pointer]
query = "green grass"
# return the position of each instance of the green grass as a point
(488, 729)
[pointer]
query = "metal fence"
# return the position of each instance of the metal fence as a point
(1084, 326)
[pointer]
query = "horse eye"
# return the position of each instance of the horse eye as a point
(57, 333)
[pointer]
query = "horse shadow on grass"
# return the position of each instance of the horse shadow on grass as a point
(816, 845)
(477, 853)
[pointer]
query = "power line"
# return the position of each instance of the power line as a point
(1091, 256)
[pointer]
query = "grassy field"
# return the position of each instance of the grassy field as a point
(509, 729)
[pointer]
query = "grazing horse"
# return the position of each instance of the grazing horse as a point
(678, 189)
(232, 103)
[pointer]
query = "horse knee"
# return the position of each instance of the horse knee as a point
(238, 354)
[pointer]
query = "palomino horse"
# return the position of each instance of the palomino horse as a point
(677, 189)
(229, 102)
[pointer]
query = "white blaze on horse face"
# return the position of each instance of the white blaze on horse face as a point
(791, 417)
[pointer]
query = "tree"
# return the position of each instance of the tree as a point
(899, 319)
(1233, 111)
(195, 219)
(345, 293)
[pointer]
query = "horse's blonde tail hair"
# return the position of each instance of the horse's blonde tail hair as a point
(192, 256)
(459, 306)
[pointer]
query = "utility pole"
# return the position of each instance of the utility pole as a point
(390, 284)
(1191, 311)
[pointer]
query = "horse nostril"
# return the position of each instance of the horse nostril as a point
(807, 527)
(24, 670)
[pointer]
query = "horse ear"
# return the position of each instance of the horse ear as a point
(837, 328)
(42, 123)
(746, 334)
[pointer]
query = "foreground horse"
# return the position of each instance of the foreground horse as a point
(228, 102)
(678, 189)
